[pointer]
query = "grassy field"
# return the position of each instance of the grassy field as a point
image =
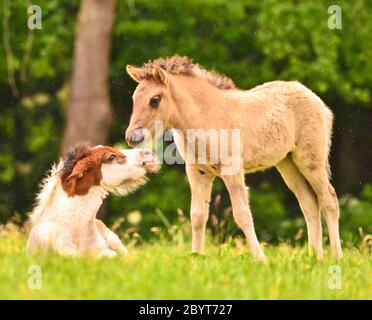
(169, 272)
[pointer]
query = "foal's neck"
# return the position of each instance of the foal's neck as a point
(198, 103)
(78, 208)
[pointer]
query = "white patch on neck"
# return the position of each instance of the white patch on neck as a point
(52, 202)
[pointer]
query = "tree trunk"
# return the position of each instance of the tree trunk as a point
(89, 114)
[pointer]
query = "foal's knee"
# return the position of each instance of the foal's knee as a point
(198, 219)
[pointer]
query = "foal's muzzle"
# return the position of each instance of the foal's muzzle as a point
(135, 137)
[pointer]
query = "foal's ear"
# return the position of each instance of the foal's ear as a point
(79, 181)
(73, 180)
(159, 75)
(134, 73)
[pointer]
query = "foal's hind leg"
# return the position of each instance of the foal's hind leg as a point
(307, 199)
(315, 173)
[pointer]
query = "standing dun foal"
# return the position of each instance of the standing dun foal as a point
(281, 124)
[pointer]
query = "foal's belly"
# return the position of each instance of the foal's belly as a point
(267, 150)
(262, 163)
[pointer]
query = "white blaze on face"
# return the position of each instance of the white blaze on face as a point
(124, 177)
(143, 157)
(115, 173)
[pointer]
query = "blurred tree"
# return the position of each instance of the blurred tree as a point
(89, 114)
(31, 122)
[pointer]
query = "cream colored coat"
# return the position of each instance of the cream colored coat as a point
(282, 124)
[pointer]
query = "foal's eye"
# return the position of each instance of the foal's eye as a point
(112, 157)
(154, 101)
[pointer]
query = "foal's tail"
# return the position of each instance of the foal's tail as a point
(329, 125)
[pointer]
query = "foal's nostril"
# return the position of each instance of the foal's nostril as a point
(136, 137)
(147, 152)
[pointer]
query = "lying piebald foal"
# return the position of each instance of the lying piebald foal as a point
(64, 219)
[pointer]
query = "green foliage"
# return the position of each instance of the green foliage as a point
(31, 125)
(255, 41)
(356, 216)
(250, 41)
(165, 192)
(305, 48)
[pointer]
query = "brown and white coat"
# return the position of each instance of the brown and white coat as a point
(64, 219)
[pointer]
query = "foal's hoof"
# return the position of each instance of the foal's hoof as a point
(196, 254)
(338, 256)
(123, 251)
(261, 258)
(107, 254)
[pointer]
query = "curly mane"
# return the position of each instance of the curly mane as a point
(71, 158)
(184, 65)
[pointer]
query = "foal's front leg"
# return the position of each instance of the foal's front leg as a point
(111, 238)
(242, 214)
(201, 187)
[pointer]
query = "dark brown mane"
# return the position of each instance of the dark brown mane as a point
(82, 168)
(72, 157)
(184, 65)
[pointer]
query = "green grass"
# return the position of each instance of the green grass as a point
(170, 272)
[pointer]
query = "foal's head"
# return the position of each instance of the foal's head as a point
(151, 102)
(118, 171)
(158, 94)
